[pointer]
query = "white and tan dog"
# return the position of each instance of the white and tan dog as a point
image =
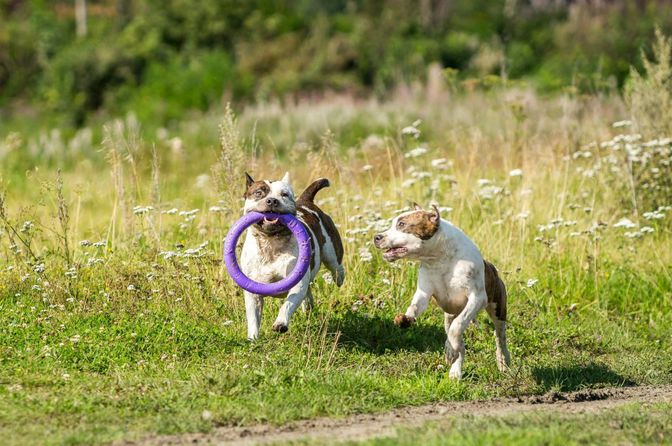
(270, 250)
(452, 271)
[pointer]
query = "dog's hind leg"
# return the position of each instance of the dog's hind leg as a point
(254, 304)
(451, 355)
(330, 259)
(502, 353)
(308, 301)
(496, 291)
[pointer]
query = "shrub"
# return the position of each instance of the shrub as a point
(649, 94)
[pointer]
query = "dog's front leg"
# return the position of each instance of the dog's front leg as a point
(254, 304)
(418, 306)
(294, 298)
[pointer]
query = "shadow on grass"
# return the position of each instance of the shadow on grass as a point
(575, 377)
(379, 335)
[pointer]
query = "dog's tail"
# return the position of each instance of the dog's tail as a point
(496, 290)
(317, 185)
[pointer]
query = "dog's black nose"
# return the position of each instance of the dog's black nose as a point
(272, 202)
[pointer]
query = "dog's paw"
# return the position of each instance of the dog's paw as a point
(403, 321)
(280, 327)
(455, 372)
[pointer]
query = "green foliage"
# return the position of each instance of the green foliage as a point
(649, 94)
(145, 55)
(638, 423)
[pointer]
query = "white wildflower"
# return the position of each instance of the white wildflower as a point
(367, 167)
(619, 124)
(489, 192)
(408, 183)
(516, 173)
(27, 226)
(418, 151)
(327, 278)
(365, 255)
(625, 223)
(655, 215)
(141, 210)
(441, 163)
(532, 282)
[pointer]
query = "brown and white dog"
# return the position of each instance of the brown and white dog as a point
(270, 250)
(452, 271)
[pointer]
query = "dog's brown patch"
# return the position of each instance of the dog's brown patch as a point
(495, 289)
(255, 186)
(422, 224)
(313, 221)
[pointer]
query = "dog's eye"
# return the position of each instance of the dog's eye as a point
(258, 193)
(401, 224)
(284, 194)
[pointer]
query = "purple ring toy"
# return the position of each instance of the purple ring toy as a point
(267, 289)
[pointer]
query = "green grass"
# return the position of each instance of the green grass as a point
(632, 424)
(130, 343)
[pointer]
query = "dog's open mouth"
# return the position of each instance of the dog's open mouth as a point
(271, 225)
(394, 253)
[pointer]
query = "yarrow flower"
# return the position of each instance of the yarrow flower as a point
(532, 282)
(412, 130)
(625, 223)
(141, 210)
(516, 173)
(365, 255)
(619, 124)
(441, 163)
(418, 151)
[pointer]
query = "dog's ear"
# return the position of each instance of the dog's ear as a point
(416, 206)
(435, 217)
(248, 180)
(285, 179)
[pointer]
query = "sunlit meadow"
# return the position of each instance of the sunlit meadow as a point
(117, 319)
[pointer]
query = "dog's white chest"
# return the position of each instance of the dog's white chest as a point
(450, 279)
(449, 291)
(267, 263)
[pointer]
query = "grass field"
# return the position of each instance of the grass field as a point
(118, 321)
(633, 424)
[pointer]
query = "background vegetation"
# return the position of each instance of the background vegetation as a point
(160, 58)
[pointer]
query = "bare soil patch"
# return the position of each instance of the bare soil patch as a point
(360, 427)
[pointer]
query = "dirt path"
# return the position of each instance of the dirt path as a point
(360, 427)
